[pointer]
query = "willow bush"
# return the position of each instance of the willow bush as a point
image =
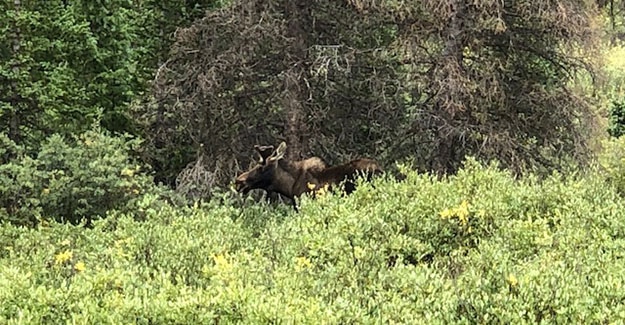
(480, 246)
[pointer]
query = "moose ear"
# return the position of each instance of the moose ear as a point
(264, 151)
(279, 153)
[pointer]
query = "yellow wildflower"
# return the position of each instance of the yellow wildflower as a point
(127, 172)
(447, 213)
(80, 266)
(463, 212)
(512, 280)
(221, 261)
(63, 257)
(323, 190)
(463, 219)
(302, 262)
(222, 269)
(46, 191)
(311, 186)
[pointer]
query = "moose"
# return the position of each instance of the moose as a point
(252, 179)
(274, 173)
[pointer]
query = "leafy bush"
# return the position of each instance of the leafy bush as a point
(614, 88)
(614, 70)
(617, 118)
(612, 163)
(478, 247)
(75, 181)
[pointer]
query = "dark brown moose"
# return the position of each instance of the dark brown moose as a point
(293, 178)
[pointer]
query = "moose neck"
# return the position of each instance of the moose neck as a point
(285, 179)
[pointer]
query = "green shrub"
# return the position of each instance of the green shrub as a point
(477, 247)
(72, 180)
(612, 163)
(614, 88)
(616, 126)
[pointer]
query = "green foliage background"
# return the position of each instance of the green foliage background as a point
(74, 180)
(65, 65)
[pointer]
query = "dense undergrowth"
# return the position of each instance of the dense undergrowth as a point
(478, 247)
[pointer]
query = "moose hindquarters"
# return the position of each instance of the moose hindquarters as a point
(368, 167)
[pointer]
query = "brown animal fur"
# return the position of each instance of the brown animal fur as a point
(254, 178)
(292, 179)
(313, 164)
(347, 172)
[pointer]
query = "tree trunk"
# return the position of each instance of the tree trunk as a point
(294, 94)
(294, 113)
(452, 99)
(14, 121)
(454, 32)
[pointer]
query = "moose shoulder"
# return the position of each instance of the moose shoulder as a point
(293, 178)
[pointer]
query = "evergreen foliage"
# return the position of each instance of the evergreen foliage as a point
(65, 64)
(73, 180)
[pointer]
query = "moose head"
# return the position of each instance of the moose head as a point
(262, 174)
(273, 173)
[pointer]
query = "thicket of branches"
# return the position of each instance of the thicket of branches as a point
(427, 82)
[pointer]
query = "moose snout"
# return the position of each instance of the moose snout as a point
(240, 184)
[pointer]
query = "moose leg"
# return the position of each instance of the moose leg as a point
(293, 201)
